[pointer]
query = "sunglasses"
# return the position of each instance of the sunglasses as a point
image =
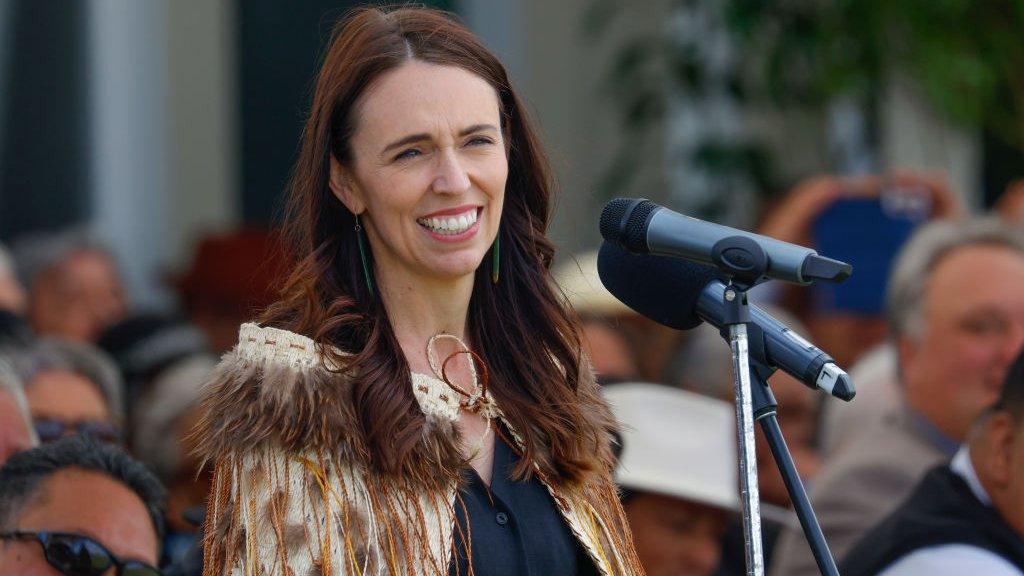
(77, 555)
(51, 430)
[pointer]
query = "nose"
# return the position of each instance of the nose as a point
(703, 557)
(451, 176)
(700, 551)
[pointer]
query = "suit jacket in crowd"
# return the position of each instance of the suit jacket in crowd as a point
(946, 525)
(860, 486)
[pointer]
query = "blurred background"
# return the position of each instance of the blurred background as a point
(146, 145)
(156, 123)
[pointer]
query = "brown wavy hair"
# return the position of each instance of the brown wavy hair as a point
(520, 326)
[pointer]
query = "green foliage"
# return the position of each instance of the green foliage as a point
(966, 55)
(647, 70)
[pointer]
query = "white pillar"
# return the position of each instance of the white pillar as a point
(129, 133)
(163, 131)
(202, 108)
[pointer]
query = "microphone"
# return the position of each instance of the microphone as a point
(643, 227)
(681, 294)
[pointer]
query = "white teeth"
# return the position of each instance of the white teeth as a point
(450, 225)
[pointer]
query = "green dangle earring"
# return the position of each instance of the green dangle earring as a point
(496, 258)
(362, 255)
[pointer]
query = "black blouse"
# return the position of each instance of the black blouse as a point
(515, 528)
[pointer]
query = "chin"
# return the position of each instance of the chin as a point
(457, 267)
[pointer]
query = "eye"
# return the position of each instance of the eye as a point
(408, 153)
(480, 141)
(985, 325)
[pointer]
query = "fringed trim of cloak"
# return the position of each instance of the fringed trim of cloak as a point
(292, 492)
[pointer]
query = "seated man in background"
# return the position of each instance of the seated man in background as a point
(677, 471)
(963, 518)
(956, 312)
(16, 432)
(71, 388)
(81, 507)
(74, 288)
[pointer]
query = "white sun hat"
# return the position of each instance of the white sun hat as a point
(676, 443)
(579, 281)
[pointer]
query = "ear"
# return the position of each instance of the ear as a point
(1000, 438)
(343, 187)
(907, 352)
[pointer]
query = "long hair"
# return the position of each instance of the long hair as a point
(524, 332)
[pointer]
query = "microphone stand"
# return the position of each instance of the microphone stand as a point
(744, 261)
(764, 406)
(737, 318)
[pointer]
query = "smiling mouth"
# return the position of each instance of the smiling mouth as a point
(450, 225)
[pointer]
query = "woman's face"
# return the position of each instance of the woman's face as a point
(428, 171)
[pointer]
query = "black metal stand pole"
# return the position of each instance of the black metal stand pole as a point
(765, 414)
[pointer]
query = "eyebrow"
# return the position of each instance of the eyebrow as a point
(412, 138)
(80, 531)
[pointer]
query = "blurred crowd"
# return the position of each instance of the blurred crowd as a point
(91, 387)
(920, 474)
(924, 468)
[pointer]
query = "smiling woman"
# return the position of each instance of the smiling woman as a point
(430, 200)
(417, 402)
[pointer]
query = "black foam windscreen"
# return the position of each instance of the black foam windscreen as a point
(624, 221)
(662, 288)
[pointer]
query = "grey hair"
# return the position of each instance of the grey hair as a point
(11, 384)
(920, 256)
(37, 253)
(78, 358)
(22, 476)
(175, 391)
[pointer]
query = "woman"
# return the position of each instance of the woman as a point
(417, 402)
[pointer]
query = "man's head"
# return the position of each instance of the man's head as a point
(83, 488)
(678, 474)
(956, 311)
(673, 535)
(71, 387)
(997, 449)
(16, 431)
(75, 290)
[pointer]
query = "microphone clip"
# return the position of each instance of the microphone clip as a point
(741, 260)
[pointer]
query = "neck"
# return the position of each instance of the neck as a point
(945, 430)
(420, 307)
